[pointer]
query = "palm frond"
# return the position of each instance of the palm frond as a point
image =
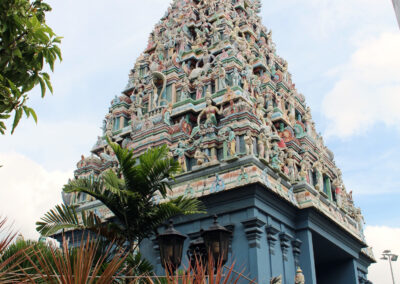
(65, 217)
(126, 163)
(175, 207)
(137, 265)
(96, 188)
(113, 183)
(154, 170)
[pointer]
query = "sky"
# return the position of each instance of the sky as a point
(344, 56)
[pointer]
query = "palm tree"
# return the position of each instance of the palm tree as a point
(130, 194)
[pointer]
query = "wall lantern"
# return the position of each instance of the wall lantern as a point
(216, 240)
(171, 247)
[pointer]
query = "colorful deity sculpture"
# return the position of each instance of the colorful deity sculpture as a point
(248, 140)
(180, 152)
(210, 112)
(299, 279)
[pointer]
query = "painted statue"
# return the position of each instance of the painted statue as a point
(201, 157)
(248, 140)
(299, 279)
(210, 112)
(180, 152)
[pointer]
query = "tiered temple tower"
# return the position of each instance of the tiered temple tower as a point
(211, 86)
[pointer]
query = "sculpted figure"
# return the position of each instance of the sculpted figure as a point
(201, 157)
(107, 156)
(275, 155)
(263, 145)
(358, 217)
(185, 92)
(231, 142)
(248, 140)
(260, 110)
(318, 168)
(271, 60)
(235, 78)
(180, 152)
(303, 174)
(291, 165)
(199, 89)
(247, 73)
(155, 96)
(299, 279)
(308, 120)
(292, 109)
(221, 73)
(109, 126)
(337, 185)
(209, 112)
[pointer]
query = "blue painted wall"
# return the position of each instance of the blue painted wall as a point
(265, 228)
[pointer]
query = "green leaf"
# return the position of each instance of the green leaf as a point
(46, 78)
(17, 118)
(26, 111)
(33, 113)
(2, 127)
(42, 86)
(17, 52)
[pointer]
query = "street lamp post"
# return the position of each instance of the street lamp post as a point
(216, 240)
(214, 243)
(171, 247)
(388, 255)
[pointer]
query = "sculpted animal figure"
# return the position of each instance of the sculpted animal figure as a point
(207, 64)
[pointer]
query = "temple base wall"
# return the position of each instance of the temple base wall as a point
(272, 238)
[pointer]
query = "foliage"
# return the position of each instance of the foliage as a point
(27, 247)
(130, 194)
(138, 265)
(27, 45)
(75, 265)
(203, 273)
(8, 263)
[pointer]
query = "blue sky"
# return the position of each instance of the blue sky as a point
(344, 56)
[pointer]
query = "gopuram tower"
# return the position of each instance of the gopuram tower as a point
(212, 87)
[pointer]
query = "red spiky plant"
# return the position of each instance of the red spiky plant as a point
(10, 265)
(81, 265)
(202, 273)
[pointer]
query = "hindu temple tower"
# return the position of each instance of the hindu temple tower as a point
(211, 86)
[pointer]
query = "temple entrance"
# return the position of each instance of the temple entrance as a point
(333, 265)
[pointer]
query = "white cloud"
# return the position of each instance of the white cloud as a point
(28, 191)
(55, 145)
(368, 89)
(382, 238)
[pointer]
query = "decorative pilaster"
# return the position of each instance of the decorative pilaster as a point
(121, 122)
(173, 96)
(252, 228)
(272, 238)
(285, 239)
(296, 244)
(230, 228)
(156, 249)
